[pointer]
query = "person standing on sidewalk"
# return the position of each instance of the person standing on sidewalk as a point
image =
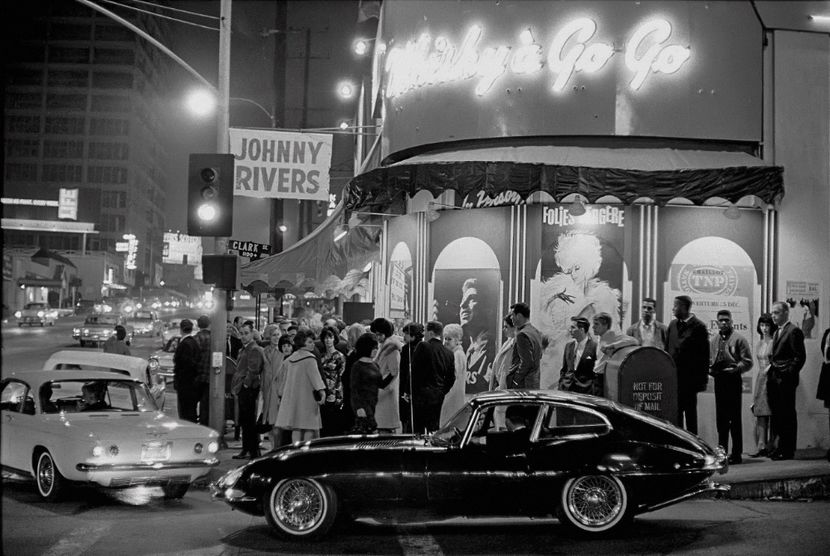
(527, 352)
(730, 358)
(251, 364)
(687, 342)
(185, 372)
(433, 374)
(760, 404)
(202, 338)
(786, 359)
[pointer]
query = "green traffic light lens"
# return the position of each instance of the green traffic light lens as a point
(206, 212)
(208, 175)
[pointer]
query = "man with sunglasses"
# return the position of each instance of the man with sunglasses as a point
(648, 331)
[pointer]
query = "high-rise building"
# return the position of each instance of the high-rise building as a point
(82, 111)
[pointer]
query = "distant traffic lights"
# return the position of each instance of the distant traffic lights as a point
(210, 195)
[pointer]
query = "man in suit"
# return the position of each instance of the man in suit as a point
(433, 374)
(730, 357)
(648, 331)
(687, 342)
(577, 374)
(608, 342)
(786, 359)
(527, 351)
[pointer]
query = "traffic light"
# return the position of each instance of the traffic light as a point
(210, 195)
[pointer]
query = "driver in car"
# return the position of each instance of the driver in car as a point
(92, 398)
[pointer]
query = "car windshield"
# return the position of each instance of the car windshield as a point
(31, 306)
(101, 319)
(453, 431)
(99, 395)
(143, 316)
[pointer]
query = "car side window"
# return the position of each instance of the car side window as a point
(14, 397)
(562, 421)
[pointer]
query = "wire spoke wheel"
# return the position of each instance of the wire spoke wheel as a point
(49, 479)
(594, 503)
(301, 507)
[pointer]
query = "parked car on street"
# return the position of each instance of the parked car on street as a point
(161, 360)
(593, 463)
(146, 323)
(98, 327)
(36, 314)
(171, 330)
(97, 427)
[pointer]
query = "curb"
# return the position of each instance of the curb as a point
(795, 488)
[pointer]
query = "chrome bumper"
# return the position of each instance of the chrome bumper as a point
(708, 487)
(109, 467)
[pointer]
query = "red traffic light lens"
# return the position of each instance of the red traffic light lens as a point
(208, 175)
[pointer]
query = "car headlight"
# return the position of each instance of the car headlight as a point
(76, 331)
(17, 314)
(98, 451)
(229, 479)
(153, 364)
(86, 330)
(213, 447)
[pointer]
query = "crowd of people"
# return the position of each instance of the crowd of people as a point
(295, 383)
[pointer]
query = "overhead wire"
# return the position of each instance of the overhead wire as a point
(133, 8)
(162, 7)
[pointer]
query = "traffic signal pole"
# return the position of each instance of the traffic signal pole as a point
(219, 331)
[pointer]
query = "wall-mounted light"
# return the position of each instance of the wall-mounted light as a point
(346, 89)
(577, 208)
(344, 125)
(283, 228)
(361, 46)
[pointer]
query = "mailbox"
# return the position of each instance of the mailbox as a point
(644, 378)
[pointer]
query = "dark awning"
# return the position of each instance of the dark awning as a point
(39, 283)
(627, 174)
(43, 255)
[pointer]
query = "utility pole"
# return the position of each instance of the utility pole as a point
(219, 331)
(280, 40)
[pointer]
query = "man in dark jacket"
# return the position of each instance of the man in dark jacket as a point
(202, 338)
(527, 351)
(687, 343)
(577, 374)
(786, 359)
(251, 364)
(433, 374)
(413, 334)
(186, 371)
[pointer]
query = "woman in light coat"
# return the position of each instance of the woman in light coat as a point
(304, 391)
(389, 362)
(455, 398)
(273, 381)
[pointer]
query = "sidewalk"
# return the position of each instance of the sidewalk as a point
(806, 476)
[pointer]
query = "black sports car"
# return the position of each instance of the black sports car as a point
(592, 462)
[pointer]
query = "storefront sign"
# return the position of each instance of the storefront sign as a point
(131, 248)
(285, 165)
(181, 249)
(249, 248)
(68, 204)
(574, 48)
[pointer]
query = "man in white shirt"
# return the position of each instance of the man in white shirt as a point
(577, 374)
(648, 331)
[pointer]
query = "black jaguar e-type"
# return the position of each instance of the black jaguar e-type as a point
(592, 462)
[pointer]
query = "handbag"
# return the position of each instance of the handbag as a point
(262, 426)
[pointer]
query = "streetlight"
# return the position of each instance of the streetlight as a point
(202, 103)
(346, 89)
(361, 46)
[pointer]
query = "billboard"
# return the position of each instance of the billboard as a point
(181, 248)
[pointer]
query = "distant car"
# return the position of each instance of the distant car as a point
(171, 330)
(98, 327)
(97, 427)
(36, 313)
(161, 361)
(593, 463)
(146, 323)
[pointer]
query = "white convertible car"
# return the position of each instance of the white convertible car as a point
(99, 427)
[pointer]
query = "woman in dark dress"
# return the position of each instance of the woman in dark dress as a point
(413, 333)
(354, 332)
(365, 381)
(332, 365)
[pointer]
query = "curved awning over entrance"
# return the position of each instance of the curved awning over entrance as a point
(626, 173)
(316, 262)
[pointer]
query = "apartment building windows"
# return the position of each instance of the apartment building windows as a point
(106, 174)
(112, 80)
(109, 151)
(110, 103)
(23, 124)
(22, 148)
(114, 199)
(74, 78)
(24, 100)
(66, 102)
(21, 172)
(67, 55)
(106, 126)
(62, 173)
(63, 149)
(112, 223)
(118, 56)
(65, 126)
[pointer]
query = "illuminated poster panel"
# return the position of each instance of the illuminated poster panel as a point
(582, 272)
(400, 282)
(469, 252)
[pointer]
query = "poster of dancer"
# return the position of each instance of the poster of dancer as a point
(582, 272)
